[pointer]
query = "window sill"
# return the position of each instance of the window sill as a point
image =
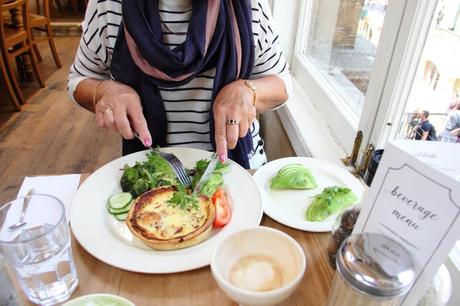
(307, 129)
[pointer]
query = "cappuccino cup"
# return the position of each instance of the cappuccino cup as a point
(260, 266)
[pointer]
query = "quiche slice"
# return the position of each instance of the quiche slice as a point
(163, 226)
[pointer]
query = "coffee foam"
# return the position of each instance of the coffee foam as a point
(257, 272)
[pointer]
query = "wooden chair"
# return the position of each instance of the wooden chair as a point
(43, 23)
(11, 86)
(15, 37)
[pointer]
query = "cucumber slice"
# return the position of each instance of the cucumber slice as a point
(121, 217)
(120, 200)
(120, 210)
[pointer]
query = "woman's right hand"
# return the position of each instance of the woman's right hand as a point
(118, 108)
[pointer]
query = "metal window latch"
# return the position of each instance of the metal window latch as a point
(351, 159)
(360, 170)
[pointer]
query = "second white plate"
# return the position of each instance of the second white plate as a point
(288, 207)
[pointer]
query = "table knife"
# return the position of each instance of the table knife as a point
(209, 169)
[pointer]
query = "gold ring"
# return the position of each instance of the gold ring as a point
(109, 109)
(232, 122)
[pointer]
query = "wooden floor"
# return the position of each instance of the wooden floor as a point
(54, 136)
(51, 135)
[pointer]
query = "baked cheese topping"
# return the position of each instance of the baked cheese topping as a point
(161, 219)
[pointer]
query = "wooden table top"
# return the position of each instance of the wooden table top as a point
(198, 287)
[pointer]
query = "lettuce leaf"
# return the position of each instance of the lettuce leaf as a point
(160, 166)
(143, 176)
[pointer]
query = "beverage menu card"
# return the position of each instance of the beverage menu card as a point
(415, 200)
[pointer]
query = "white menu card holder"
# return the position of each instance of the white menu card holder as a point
(415, 200)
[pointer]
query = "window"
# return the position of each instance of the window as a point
(342, 54)
(357, 61)
(436, 84)
(341, 44)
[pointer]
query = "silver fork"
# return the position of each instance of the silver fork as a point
(176, 165)
(178, 168)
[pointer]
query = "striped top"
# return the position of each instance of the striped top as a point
(187, 106)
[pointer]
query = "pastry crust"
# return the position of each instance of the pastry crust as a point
(162, 226)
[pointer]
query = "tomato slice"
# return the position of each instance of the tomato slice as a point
(223, 210)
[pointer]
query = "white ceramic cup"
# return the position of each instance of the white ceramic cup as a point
(259, 266)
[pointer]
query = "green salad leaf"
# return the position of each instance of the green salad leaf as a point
(183, 199)
(156, 172)
(161, 168)
(331, 201)
(143, 176)
(215, 180)
(293, 176)
(129, 178)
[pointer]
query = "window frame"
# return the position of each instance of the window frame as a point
(342, 120)
(410, 46)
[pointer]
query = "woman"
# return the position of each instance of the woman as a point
(188, 73)
(451, 132)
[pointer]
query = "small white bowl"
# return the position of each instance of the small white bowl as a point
(99, 299)
(247, 266)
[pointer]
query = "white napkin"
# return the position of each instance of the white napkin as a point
(62, 187)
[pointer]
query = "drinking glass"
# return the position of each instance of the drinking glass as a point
(8, 296)
(39, 251)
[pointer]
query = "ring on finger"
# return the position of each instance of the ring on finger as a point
(232, 122)
(107, 110)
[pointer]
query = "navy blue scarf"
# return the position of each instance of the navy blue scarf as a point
(142, 61)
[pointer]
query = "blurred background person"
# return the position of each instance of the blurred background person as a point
(424, 129)
(412, 121)
(452, 130)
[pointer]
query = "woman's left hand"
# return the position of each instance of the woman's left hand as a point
(234, 113)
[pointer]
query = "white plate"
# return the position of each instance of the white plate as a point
(89, 224)
(289, 206)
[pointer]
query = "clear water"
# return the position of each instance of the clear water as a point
(7, 293)
(45, 267)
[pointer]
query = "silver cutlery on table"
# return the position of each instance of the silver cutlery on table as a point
(25, 205)
(175, 164)
(209, 169)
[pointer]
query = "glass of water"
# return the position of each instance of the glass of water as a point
(35, 241)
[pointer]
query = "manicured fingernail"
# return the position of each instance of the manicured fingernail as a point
(147, 142)
(223, 157)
